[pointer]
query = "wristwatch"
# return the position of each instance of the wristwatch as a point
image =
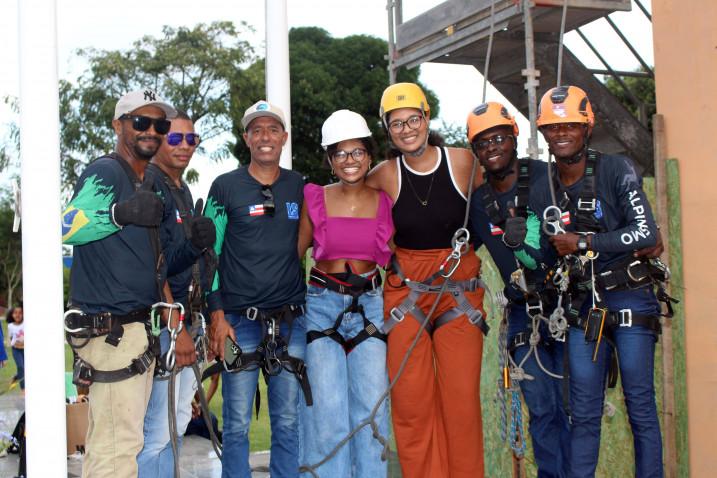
(582, 243)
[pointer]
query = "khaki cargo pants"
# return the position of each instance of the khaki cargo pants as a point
(115, 434)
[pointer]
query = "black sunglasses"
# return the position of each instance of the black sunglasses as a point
(175, 139)
(268, 204)
(142, 123)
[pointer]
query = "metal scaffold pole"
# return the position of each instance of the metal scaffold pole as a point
(531, 82)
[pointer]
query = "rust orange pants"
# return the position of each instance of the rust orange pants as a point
(435, 404)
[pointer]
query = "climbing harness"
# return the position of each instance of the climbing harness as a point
(353, 285)
(80, 328)
(272, 353)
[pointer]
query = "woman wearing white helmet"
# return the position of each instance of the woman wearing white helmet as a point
(349, 225)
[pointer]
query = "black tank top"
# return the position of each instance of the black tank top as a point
(429, 226)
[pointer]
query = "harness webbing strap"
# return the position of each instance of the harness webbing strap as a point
(490, 202)
(355, 286)
(456, 288)
(272, 353)
(85, 374)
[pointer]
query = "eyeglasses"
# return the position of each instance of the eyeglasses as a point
(142, 123)
(175, 139)
(497, 139)
(268, 203)
(358, 154)
(413, 122)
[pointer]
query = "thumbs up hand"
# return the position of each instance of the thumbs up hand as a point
(144, 208)
(203, 232)
(515, 229)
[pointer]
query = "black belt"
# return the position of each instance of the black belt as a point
(346, 283)
(87, 326)
(632, 273)
(623, 318)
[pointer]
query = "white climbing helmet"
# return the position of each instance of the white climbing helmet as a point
(343, 125)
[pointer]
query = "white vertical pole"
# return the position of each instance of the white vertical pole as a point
(277, 66)
(41, 238)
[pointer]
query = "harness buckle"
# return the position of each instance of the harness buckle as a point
(397, 315)
(252, 313)
(630, 273)
(588, 205)
(475, 317)
(536, 307)
(624, 318)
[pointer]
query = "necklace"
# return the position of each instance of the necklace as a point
(423, 202)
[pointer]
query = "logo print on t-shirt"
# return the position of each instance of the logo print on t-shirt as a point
(292, 210)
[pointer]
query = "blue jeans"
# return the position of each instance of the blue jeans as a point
(345, 387)
(636, 351)
(156, 459)
(19, 356)
(548, 426)
(238, 391)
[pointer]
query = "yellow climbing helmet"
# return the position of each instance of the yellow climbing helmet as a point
(487, 116)
(565, 104)
(403, 95)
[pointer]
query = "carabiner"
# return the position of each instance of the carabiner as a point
(450, 265)
(552, 221)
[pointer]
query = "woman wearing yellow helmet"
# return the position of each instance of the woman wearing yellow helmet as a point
(436, 402)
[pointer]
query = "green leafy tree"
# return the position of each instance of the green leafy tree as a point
(10, 254)
(190, 68)
(644, 90)
(327, 74)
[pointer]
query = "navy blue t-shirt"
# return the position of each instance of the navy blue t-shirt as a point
(626, 217)
(259, 264)
(113, 269)
(485, 232)
(179, 253)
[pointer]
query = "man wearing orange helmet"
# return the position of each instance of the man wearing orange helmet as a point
(436, 402)
(605, 219)
(503, 218)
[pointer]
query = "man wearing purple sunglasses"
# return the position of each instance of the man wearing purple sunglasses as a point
(187, 235)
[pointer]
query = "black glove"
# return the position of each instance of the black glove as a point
(144, 208)
(203, 232)
(515, 231)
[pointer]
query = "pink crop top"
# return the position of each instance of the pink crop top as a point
(349, 237)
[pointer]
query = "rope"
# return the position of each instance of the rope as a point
(560, 42)
(489, 51)
(517, 441)
(460, 243)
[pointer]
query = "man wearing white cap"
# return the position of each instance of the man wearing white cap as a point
(112, 222)
(257, 297)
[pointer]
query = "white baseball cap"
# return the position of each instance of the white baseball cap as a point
(139, 98)
(262, 108)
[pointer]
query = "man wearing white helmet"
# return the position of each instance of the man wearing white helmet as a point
(349, 225)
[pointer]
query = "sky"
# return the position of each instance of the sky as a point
(115, 25)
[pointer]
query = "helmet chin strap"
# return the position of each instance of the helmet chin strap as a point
(506, 170)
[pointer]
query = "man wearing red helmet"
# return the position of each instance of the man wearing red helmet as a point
(597, 217)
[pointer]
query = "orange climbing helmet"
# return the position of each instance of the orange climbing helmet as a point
(403, 95)
(487, 116)
(565, 104)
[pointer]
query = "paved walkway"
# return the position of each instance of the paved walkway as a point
(197, 458)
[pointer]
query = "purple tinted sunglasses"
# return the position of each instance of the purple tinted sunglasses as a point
(174, 139)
